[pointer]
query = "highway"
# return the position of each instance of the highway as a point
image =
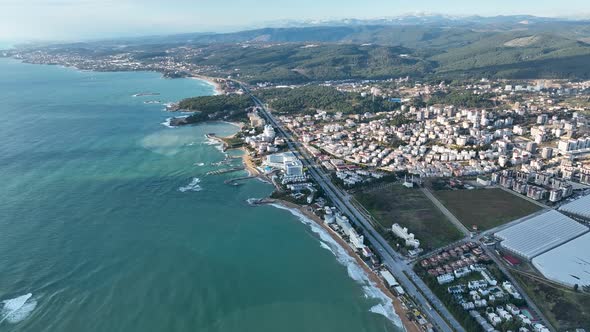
(398, 266)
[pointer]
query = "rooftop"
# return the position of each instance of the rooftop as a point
(567, 264)
(539, 234)
(579, 207)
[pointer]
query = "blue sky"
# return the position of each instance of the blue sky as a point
(80, 19)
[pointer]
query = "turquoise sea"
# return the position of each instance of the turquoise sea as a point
(108, 221)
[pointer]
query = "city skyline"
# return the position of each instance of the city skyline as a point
(88, 19)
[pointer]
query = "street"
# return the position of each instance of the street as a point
(391, 259)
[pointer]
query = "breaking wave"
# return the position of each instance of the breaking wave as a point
(253, 201)
(216, 143)
(166, 123)
(325, 246)
(17, 309)
(384, 306)
(192, 186)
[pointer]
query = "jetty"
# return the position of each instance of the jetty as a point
(226, 170)
(234, 181)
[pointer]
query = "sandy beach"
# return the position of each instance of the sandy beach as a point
(408, 325)
(211, 80)
(252, 169)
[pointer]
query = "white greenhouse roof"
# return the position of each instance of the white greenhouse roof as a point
(539, 234)
(568, 264)
(579, 207)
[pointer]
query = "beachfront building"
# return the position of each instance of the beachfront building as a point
(389, 278)
(402, 232)
(329, 216)
(289, 164)
(344, 224)
(293, 168)
(356, 240)
(278, 160)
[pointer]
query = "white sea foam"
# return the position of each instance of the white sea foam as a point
(17, 309)
(356, 272)
(192, 186)
(325, 246)
(211, 84)
(199, 164)
(166, 123)
(214, 142)
(211, 141)
(252, 201)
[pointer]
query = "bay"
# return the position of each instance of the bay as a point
(109, 221)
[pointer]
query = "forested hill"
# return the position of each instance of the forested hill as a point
(408, 31)
(309, 99)
(422, 47)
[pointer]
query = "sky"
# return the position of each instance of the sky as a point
(22, 20)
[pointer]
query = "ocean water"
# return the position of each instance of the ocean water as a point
(4, 45)
(108, 221)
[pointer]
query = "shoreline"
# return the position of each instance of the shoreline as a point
(247, 160)
(398, 307)
(407, 324)
(212, 81)
(217, 87)
(250, 166)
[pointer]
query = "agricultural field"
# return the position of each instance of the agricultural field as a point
(412, 209)
(485, 208)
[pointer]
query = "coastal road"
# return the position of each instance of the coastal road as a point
(398, 266)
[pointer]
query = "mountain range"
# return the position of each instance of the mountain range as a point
(425, 46)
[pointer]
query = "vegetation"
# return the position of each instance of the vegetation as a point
(412, 209)
(221, 107)
(425, 52)
(485, 208)
(300, 63)
(307, 99)
(463, 99)
(565, 308)
(494, 48)
(517, 55)
(468, 322)
(371, 182)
